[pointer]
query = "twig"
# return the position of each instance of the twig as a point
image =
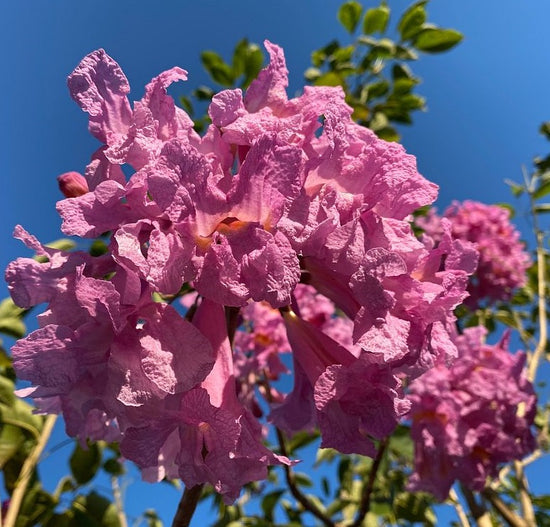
(543, 335)
(462, 516)
(27, 471)
(364, 505)
(118, 502)
(296, 492)
(507, 514)
(478, 511)
(187, 506)
(524, 498)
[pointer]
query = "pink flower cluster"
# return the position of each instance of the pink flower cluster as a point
(470, 418)
(277, 192)
(502, 257)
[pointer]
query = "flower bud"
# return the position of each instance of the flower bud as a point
(72, 184)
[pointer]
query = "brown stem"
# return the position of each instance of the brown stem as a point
(296, 492)
(509, 516)
(478, 511)
(187, 506)
(364, 506)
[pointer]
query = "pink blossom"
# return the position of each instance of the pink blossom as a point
(502, 258)
(204, 435)
(469, 419)
(284, 205)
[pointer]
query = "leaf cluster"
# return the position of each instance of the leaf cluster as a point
(374, 69)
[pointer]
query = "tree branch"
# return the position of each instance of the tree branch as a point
(524, 498)
(364, 505)
(477, 510)
(509, 516)
(295, 490)
(187, 506)
(541, 291)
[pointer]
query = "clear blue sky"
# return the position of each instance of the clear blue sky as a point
(486, 98)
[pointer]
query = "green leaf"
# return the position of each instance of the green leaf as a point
(545, 129)
(388, 134)
(8, 309)
(403, 86)
(253, 64)
(325, 455)
(269, 502)
(247, 61)
(11, 439)
(203, 93)
(60, 520)
(542, 209)
(405, 53)
(152, 518)
(401, 71)
(341, 55)
(217, 68)
(412, 19)
(434, 40)
(239, 57)
(98, 248)
(543, 190)
(114, 467)
(414, 507)
(329, 79)
(14, 327)
(542, 501)
(378, 89)
(300, 440)
(401, 444)
(94, 510)
(349, 15)
(380, 49)
(85, 463)
(63, 244)
(509, 208)
(7, 388)
(303, 479)
(20, 414)
(376, 20)
(37, 505)
(517, 190)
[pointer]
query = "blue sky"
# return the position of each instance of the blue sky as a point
(486, 98)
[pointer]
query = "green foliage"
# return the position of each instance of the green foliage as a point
(412, 20)
(349, 15)
(11, 322)
(85, 462)
(435, 40)
(93, 510)
(246, 61)
(374, 71)
(376, 20)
